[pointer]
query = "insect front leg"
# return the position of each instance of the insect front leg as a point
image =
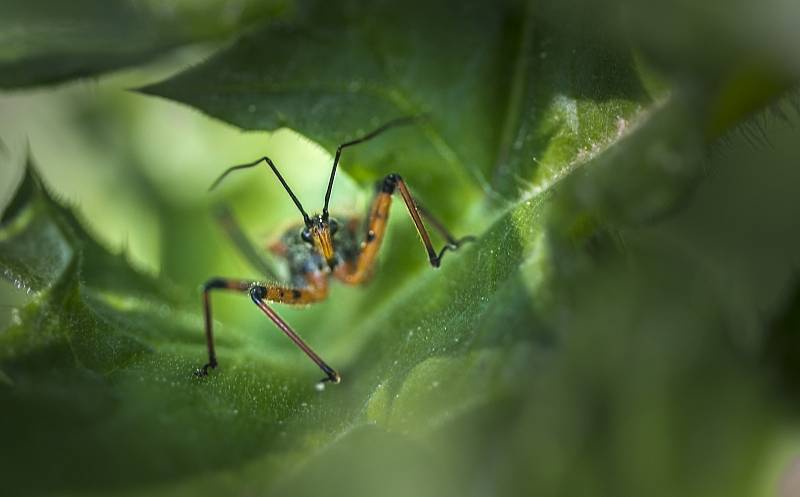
(216, 284)
(453, 243)
(393, 182)
(377, 219)
(261, 294)
(259, 297)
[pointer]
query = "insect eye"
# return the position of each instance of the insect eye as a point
(333, 225)
(306, 236)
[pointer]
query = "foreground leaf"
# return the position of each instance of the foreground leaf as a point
(604, 334)
(43, 42)
(509, 98)
(484, 359)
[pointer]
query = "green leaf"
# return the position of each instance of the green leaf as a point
(43, 243)
(114, 361)
(607, 334)
(44, 42)
(507, 107)
(478, 357)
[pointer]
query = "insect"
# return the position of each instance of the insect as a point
(319, 248)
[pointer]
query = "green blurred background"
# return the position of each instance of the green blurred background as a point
(627, 323)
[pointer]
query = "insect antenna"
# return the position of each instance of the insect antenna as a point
(274, 170)
(402, 121)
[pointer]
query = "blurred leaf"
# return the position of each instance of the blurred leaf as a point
(43, 243)
(735, 55)
(783, 344)
(714, 39)
(512, 104)
(43, 42)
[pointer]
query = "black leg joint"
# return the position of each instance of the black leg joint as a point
(436, 259)
(257, 293)
(215, 283)
(201, 372)
(390, 183)
(333, 376)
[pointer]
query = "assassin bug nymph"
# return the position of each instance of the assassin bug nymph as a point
(321, 248)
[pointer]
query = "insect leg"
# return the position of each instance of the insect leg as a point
(394, 182)
(216, 284)
(376, 228)
(261, 294)
(359, 270)
(438, 226)
(225, 218)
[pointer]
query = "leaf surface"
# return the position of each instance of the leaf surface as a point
(509, 99)
(44, 42)
(603, 335)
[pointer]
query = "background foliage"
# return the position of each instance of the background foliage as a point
(626, 323)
